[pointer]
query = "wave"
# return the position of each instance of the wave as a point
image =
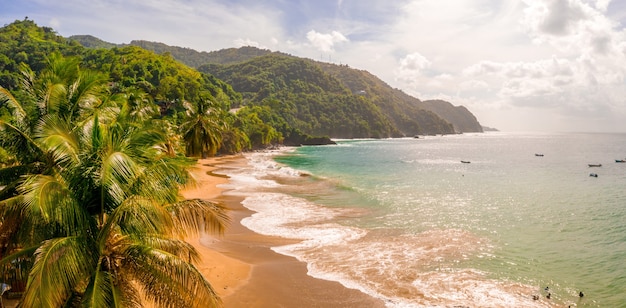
(422, 269)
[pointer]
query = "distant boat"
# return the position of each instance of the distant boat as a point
(465, 161)
(595, 165)
(595, 175)
(539, 155)
(620, 161)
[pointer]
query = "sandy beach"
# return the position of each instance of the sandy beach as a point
(244, 270)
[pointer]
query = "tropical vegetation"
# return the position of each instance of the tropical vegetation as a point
(90, 209)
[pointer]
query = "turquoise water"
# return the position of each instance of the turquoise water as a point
(406, 221)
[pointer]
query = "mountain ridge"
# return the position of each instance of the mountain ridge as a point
(395, 103)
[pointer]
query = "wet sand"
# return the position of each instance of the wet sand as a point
(244, 270)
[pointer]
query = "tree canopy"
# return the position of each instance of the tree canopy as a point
(91, 213)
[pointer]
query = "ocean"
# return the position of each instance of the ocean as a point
(404, 220)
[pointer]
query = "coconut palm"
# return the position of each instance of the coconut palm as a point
(202, 131)
(104, 221)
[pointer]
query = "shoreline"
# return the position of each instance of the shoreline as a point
(241, 266)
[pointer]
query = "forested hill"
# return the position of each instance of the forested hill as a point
(317, 100)
(462, 119)
(187, 56)
(395, 104)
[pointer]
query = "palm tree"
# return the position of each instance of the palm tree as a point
(104, 221)
(202, 131)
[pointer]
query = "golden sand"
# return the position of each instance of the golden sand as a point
(243, 268)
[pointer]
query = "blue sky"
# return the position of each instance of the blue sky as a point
(518, 65)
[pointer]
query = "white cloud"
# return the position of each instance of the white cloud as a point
(571, 26)
(414, 62)
(325, 42)
(525, 88)
(549, 68)
(240, 42)
(412, 66)
(602, 5)
(474, 84)
(555, 17)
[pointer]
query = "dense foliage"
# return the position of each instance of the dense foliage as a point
(318, 102)
(159, 80)
(90, 211)
(405, 113)
(21, 42)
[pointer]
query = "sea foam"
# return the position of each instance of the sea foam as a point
(404, 270)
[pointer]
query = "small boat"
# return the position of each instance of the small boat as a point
(465, 161)
(538, 155)
(595, 175)
(620, 161)
(595, 165)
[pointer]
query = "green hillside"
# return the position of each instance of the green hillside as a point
(317, 102)
(405, 113)
(162, 83)
(462, 119)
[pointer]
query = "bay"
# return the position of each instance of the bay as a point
(406, 221)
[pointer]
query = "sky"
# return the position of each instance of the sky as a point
(517, 65)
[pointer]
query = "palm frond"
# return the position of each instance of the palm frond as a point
(21, 253)
(10, 221)
(49, 199)
(162, 179)
(139, 215)
(168, 280)
(96, 101)
(27, 80)
(179, 248)
(100, 291)
(87, 89)
(195, 215)
(60, 68)
(23, 135)
(17, 112)
(126, 294)
(56, 136)
(55, 97)
(117, 171)
(60, 265)
(12, 174)
(18, 228)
